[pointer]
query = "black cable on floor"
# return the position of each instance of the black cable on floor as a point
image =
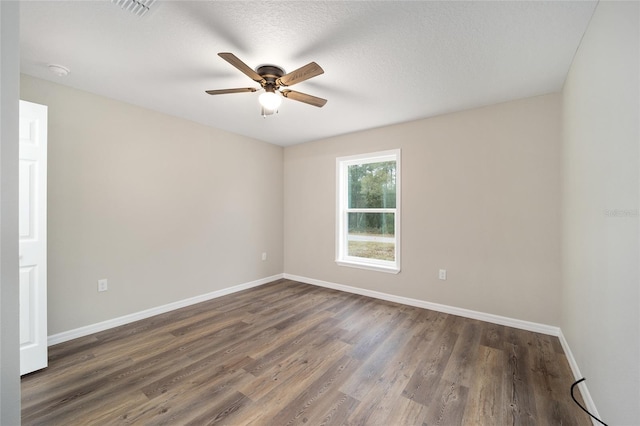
(580, 405)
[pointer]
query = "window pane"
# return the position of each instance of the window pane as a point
(371, 235)
(372, 250)
(372, 185)
(372, 224)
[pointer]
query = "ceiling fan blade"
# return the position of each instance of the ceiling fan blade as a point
(225, 91)
(301, 74)
(233, 60)
(303, 97)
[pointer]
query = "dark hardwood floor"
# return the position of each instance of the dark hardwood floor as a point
(289, 353)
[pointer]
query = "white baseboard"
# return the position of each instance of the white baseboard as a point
(584, 391)
(115, 322)
(467, 313)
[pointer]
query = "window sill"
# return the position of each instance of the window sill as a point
(369, 266)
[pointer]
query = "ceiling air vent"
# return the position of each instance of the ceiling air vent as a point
(137, 7)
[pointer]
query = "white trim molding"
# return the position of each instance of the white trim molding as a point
(343, 209)
(467, 313)
(126, 319)
(584, 391)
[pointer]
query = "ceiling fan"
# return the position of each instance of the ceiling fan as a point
(272, 78)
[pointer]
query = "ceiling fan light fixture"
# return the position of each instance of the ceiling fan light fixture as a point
(264, 112)
(271, 78)
(270, 100)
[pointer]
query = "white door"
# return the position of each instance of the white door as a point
(33, 236)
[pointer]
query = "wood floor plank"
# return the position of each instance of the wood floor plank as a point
(178, 406)
(313, 329)
(520, 407)
(291, 353)
(447, 408)
(387, 374)
(492, 335)
(49, 388)
(221, 411)
(339, 410)
(378, 367)
(293, 369)
(428, 374)
(96, 392)
(269, 405)
(406, 412)
(204, 370)
(309, 405)
(485, 398)
(462, 366)
(99, 414)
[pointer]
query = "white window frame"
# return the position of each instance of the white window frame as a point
(342, 211)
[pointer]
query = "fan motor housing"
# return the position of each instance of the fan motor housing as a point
(271, 74)
(270, 71)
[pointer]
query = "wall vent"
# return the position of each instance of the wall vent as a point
(137, 7)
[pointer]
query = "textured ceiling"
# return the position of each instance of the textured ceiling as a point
(384, 62)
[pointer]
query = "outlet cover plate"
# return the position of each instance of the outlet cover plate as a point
(103, 285)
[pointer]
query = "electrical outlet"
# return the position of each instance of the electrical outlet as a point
(442, 274)
(264, 256)
(103, 285)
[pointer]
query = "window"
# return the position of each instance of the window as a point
(368, 211)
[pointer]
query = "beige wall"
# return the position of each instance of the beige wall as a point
(164, 208)
(480, 198)
(601, 298)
